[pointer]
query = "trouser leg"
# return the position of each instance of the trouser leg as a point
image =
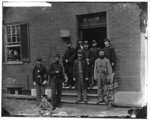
(84, 95)
(100, 89)
(53, 97)
(38, 92)
(59, 93)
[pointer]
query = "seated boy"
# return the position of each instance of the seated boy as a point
(45, 107)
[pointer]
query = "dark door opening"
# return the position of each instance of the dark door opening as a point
(98, 34)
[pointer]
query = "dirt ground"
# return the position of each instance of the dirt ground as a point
(28, 108)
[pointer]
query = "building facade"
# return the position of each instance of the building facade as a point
(38, 32)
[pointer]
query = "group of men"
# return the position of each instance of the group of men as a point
(85, 67)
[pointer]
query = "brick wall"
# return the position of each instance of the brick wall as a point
(45, 24)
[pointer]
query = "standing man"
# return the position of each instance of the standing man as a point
(56, 79)
(93, 56)
(102, 70)
(39, 75)
(86, 54)
(80, 45)
(80, 75)
(110, 53)
(68, 60)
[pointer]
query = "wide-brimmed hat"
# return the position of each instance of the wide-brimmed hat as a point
(57, 55)
(39, 59)
(94, 42)
(86, 42)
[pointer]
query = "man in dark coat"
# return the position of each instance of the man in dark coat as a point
(86, 55)
(56, 79)
(80, 76)
(39, 75)
(79, 45)
(68, 60)
(93, 56)
(110, 53)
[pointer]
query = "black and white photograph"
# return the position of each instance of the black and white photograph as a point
(74, 59)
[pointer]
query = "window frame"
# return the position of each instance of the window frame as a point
(20, 44)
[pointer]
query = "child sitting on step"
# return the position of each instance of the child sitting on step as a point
(45, 107)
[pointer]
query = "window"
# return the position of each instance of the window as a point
(16, 43)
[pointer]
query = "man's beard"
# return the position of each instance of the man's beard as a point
(101, 57)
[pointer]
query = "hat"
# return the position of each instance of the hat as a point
(101, 50)
(106, 40)
(80, 51)
(93, 42)
(39, 59)
(69, 42)
(57, 55)
(86, 42)
(80, 41)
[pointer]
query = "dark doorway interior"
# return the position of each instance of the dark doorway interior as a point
(98, 33)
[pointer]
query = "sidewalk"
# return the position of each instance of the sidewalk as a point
(28, 108)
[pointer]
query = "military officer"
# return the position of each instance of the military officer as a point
(68, 59)
(93, 56)
(80, 76)
(39, 75)
(86, 54)
(110, 53)
(56, 79)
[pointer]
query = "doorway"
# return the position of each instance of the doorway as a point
(92, 27)
(97, 33)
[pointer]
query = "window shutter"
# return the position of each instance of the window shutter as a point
(24, 43)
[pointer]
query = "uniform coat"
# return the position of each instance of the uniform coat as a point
(39, 74)
(56, 80)
(110, 54)
(69, 55)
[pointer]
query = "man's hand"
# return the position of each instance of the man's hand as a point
(45, 82)
(74, 79)
(34, 83)
(86, 79)
(112, 64)
(57, 72)
(66, 60)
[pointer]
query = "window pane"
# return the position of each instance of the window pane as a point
(13, 30)
(8, 39)
(18, 38)
(18, 29)
(8, 30)
(13, 38)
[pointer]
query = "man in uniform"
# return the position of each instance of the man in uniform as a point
(80, 76)
(109, 53)
(56, 79)
(39, 75)
(102, 70)
(93, 56)
(68, 60)
(80, 45)
(86, 54)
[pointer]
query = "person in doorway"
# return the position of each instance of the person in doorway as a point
(110, 53)
(93, 56)
(80, 45)
(56, 79)
(86, 55)
(39, 75)
(102, 70)
(80, 76)
(68, 60)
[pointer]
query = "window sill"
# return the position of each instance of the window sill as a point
(14, 63)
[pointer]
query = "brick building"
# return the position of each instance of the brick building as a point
(38, 33)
